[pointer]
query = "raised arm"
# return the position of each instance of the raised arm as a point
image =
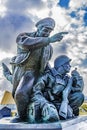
(78, 83)
(28, 42)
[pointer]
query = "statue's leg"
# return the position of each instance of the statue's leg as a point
(22, 94)
(14, 88)
(17, 74)
(75, 101)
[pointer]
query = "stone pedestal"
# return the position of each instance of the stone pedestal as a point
(64, 125)
(6, 125)
(75, 124)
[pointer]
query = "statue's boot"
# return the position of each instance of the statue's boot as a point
(17, 119)
(76, 112)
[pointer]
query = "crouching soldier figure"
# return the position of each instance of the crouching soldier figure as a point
(58, 91)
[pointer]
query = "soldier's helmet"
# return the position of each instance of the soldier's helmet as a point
(61, 60)
(46, 22)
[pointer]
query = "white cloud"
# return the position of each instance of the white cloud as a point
(3, 55)
(75, 4)
(14, 12)
(2, 9)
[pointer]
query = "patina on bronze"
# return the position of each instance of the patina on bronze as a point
(56, 89)
(33, 54)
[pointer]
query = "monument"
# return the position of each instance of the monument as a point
(41, 92)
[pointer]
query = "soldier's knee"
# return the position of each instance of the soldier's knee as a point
(80, 97)
(21, 96)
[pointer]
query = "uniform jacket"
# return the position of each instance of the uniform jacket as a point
(50, 87)
(34, 49)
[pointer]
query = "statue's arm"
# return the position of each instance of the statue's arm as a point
(58, 87)
(40, 84)
(29, 42)
(32, 42)
(6, 72)
(79, 85)
(38, 90)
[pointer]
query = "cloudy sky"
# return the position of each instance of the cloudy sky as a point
(21, 16)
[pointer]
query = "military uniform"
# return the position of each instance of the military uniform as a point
(28, 59)
(32, 63)
(50, 87)
(33, 54)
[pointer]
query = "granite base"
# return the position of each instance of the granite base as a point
(6, 125)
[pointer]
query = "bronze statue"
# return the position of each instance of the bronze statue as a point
(33, 54)
(56, 87)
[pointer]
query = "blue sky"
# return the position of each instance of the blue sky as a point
(21, 16)
(64, 3)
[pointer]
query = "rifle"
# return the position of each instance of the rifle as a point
(64, 105)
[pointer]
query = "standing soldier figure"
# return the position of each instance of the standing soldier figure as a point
(33, 54)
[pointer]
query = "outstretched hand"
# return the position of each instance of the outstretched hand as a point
(63, 33)
(57, 37)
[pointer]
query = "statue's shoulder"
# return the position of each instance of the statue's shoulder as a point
(49, 73)
(23, 36)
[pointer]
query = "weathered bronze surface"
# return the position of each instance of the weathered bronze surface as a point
(41, 93)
